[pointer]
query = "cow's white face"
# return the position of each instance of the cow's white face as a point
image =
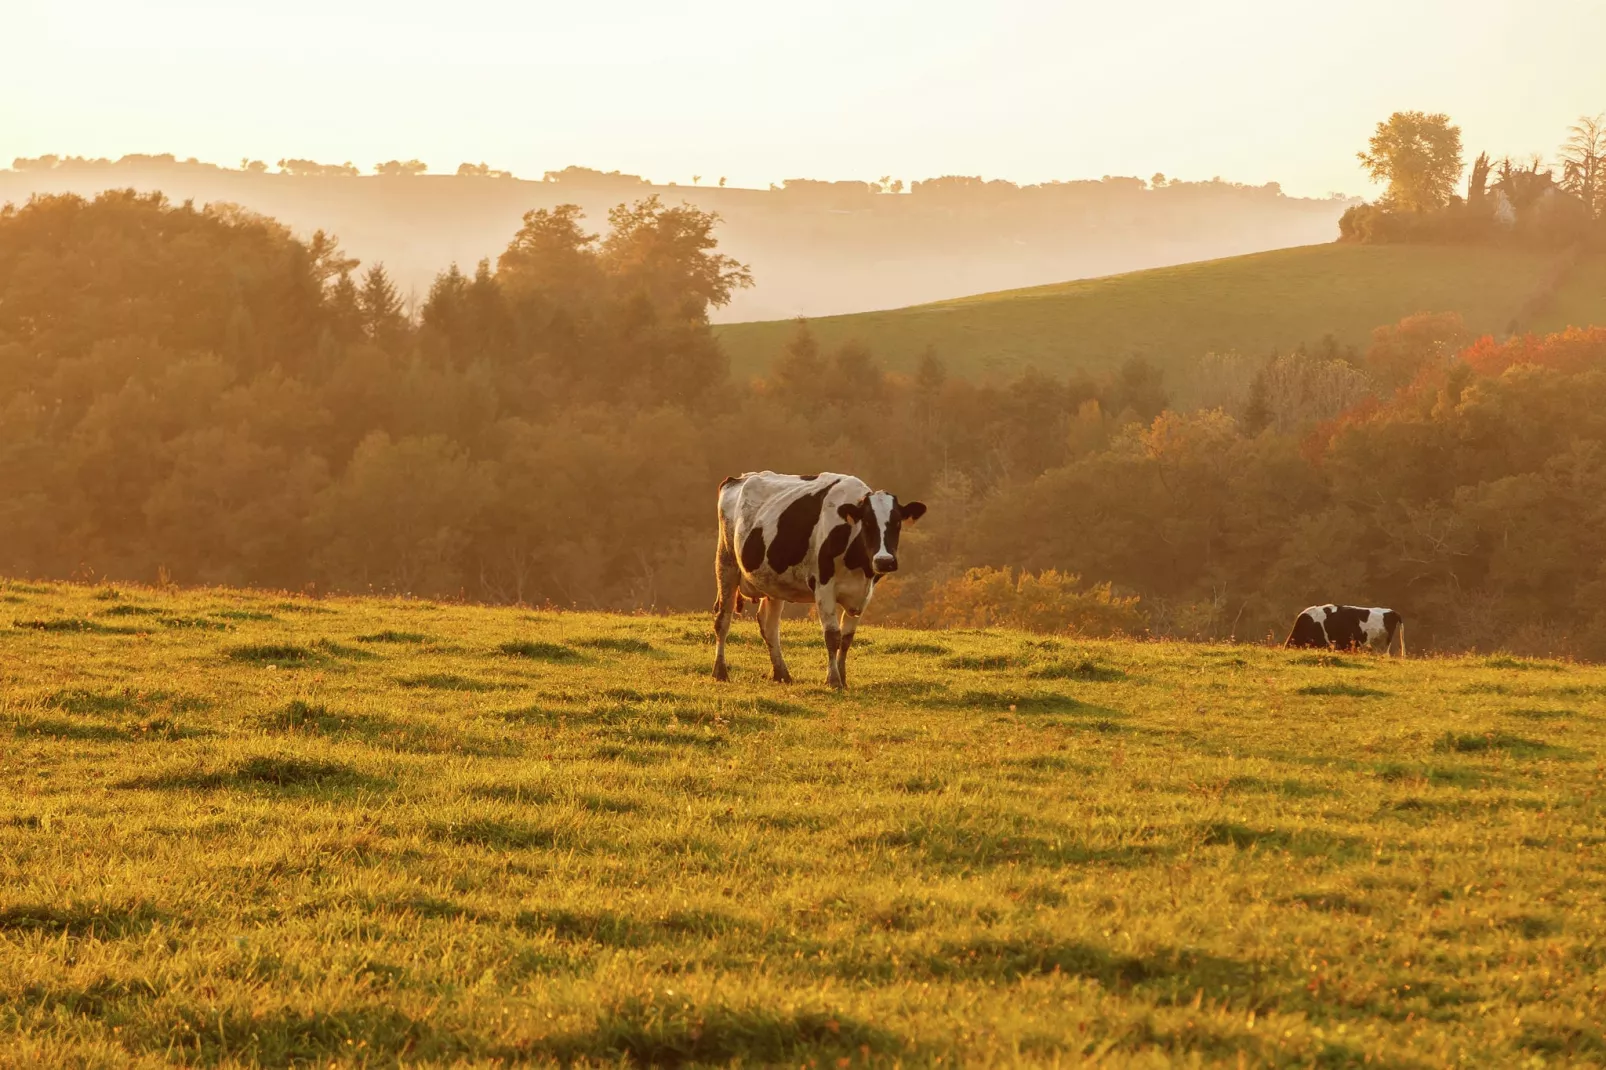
(881, 518)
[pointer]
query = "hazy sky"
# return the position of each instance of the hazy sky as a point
(1252, 91)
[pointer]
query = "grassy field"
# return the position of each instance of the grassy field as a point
(1249, 304)
(243, 829)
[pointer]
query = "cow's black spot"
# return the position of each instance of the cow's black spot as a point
(753, 550)
(810, 479)
(795, 529)
(1344, 627)
(858, 558)
(1306, 632)
(831, 549)
(1391, 623)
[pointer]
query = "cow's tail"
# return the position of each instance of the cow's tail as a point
(1399, 630)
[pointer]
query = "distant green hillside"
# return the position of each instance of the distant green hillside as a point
(1251, 304)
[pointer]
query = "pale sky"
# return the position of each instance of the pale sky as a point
(1249, 90)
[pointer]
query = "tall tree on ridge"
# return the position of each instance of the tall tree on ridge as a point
(1419, 156)
(1583, 163)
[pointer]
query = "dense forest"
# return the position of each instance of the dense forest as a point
(196, 396)
(816, 247)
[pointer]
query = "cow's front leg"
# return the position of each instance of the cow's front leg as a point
(769, 626)
(850, 622)
(825, 603)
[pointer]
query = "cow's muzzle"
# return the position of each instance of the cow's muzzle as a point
(885, 564)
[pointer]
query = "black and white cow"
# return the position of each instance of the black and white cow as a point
(1348, 628)
(825, 539)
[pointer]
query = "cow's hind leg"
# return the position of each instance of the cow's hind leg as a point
(726, 578)
(769, 625)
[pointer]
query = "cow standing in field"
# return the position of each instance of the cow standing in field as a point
(824, 539)
(1348, 628)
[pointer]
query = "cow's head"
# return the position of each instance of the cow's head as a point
(881, 517)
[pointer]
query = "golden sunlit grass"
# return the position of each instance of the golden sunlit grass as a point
(1248, 304)
(241, 829)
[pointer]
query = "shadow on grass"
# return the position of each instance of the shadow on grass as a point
(1438, 775)
(984, 662)
(201, 1033)
(519, 794)
(84, 702)
(1289, 788)
(1078, 670)
(670, 736)
(500, 835)
(630, 694)
(278, 655)
(1178, 973)
(1529, 714)
(1330, 903)
(93, 1000)
(960, 845)
(611, 929)
(1028, 702)
(1302, 843)
(261, 772)
(421, 906)
(300, 607)
(195, 623)
(615, 645)
(1558, 1041)
(539, 651)
(1326, 661)
(146, 729)
(315, 719)
(1347, 690)
(923, 649)
(669, 1033)
(1504, 742)
(1506, 661)
(445, 681)
(49, 728)
(79, 919)
(73, 624)
(1051, 763)
(630, 755)
(1530, 926)
(390, 635)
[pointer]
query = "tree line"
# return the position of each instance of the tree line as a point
(195, 395)
(1528, 201)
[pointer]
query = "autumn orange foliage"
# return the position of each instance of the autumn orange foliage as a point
(1574, 350)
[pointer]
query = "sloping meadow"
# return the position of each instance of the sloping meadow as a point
(247, 829)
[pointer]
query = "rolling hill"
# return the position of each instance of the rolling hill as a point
(239, 829)
(815, 247)
(1249, 304)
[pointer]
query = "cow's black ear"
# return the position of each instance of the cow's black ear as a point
(850, 512)
(912, 511)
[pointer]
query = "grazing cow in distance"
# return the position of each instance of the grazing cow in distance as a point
(824, 538)
(1348, 628)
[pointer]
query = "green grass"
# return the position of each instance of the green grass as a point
(1249, 304)
(269, 846)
